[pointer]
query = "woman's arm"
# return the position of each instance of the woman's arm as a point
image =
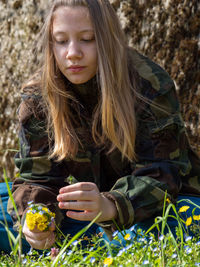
(162, 148)
(39, 177)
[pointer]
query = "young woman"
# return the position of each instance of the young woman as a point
(103, 113)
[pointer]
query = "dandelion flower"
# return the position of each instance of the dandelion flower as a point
(30, 221)
(196, 217)
(108, 261)
(39, 216)
(31, 225)
(188, 221)
(45, 209)
(42, 226)
(183, 208)
(127, 237)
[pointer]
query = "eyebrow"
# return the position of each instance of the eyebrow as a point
(63, 32)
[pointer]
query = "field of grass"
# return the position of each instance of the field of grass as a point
(140, 249)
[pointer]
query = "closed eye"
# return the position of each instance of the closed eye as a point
(61, 41)
(87, 40)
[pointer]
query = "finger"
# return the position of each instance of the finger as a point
(81, 216)
(52, 226)
(77, 195)
(50, 241)
(38, 236)
(83, 186)
(35, 234)
(42, 244)
(78, 205)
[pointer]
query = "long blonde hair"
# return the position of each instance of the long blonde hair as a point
(115, 112)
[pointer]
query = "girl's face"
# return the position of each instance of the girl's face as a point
(74, 44)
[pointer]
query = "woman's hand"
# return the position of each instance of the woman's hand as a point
(85, 197)
(38, 239)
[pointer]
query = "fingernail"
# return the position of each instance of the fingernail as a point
(59, 198)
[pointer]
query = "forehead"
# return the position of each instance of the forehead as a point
(71, 18)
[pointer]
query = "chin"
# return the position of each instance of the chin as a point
(78, 81)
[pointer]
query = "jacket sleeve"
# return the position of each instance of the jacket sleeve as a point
(39, 177)
(162, 152)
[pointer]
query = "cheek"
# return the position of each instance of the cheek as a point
(94, 57)
(59, 55)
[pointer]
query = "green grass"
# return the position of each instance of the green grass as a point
(144, 252)
(141, 250)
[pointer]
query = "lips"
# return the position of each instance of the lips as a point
(75, 68)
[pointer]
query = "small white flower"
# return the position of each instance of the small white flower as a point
(129, 246)
(145, 262)
(69, 252)
(161, 237)
(188, 250)
(75, 243)
(115, 233)
(92, 260)
(142, 239)
(121, 252)
(133, 228)
(63, 255)
(41, 212)
(188, 238)
(24, 261)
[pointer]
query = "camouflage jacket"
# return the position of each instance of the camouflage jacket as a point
(165, 161)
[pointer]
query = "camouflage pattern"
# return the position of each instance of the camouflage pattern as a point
(165, 161)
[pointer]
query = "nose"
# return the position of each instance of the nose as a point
(73, 51)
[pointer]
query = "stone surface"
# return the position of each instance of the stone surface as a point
(168, 31)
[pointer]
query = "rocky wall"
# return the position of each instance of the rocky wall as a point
(168, 31)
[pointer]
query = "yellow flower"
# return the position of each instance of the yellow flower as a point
(196, 217)
(127, 237)
(183, 208)
(31, 225)
(168, 200)
(30, 217)
(30, 221)
(52, 214)
(42, 226)
(41, 218)
(108, 261)
(45, 209)
(188, 221)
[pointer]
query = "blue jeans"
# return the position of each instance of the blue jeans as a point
(72, 227)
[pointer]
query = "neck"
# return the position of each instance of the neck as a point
(86, 88)
(87, 93)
